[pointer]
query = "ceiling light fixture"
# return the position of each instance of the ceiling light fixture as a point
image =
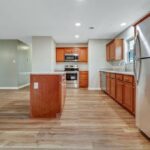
(76, 36)
(78, 24)
(91, 28)
(123, 24)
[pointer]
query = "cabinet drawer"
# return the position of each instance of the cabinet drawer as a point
(119, 77)
(112, 75)
(128, 78)
(83, 74)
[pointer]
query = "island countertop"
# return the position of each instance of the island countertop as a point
(47, 73)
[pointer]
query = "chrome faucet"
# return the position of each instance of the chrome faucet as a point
(124, 64)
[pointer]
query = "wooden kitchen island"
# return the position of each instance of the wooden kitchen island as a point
(47, 94)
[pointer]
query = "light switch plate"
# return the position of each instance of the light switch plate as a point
(36, 85)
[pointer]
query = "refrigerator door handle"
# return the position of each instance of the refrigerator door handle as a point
(136, 59)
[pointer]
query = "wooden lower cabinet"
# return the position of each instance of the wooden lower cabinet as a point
(83, 79)
(122, 89)
(108, 85)
(119, 91)
(113, 88)
(128, 98)
(47, 95)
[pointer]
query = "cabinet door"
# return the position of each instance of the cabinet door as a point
(83, 55)
(128, 99)
(108, 52)
(113, 88)
(76, 50)
(118, 49)
(68, 50)
(83, 79)
(108, 85)
(112, 51)
(60, 54)
(119, 91)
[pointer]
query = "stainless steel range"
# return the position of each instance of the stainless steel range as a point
(72, 76)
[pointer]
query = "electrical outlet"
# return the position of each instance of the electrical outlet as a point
(36, 85)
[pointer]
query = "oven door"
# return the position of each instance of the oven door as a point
(72, 77)
(71, 57)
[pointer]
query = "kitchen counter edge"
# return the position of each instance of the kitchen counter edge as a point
(48, 73)
(118, 72)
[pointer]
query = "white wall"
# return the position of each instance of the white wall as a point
(14, 64)
(53, 55)
(43, 54)
(97, 60)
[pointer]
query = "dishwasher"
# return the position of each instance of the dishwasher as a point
(103, 81)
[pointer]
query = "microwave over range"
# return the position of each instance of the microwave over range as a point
(71, 57)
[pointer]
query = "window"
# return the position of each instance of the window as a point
(130, 54)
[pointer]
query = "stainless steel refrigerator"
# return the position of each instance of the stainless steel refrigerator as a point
(142, 75)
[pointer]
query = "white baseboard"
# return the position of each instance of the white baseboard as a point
(8, 88)
(22, 86)
(14, 88)
(94, 89)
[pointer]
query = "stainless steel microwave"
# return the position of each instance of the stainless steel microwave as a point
(71, 57)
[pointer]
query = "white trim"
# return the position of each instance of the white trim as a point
(14, 88)
(22, 86)
(94, 89)
(8, 88)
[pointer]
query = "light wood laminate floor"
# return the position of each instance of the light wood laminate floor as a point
(90, 121)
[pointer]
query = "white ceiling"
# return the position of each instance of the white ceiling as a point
(56, 18)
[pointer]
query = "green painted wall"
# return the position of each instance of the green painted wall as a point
(23, 63)
(15, 63)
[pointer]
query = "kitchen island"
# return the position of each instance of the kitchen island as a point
(47, 94)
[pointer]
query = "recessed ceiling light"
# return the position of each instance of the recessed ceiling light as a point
(76, 36)
(91, 28)
(123, 24)
(78, 24)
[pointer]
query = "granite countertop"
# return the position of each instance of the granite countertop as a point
(117, 71)
(48, 73)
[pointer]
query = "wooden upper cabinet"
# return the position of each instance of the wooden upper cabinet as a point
(60, 54)
(83, 55)
(68, 50)
(76, 51)
(114, 50)
(108, 52)
(81, 51)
